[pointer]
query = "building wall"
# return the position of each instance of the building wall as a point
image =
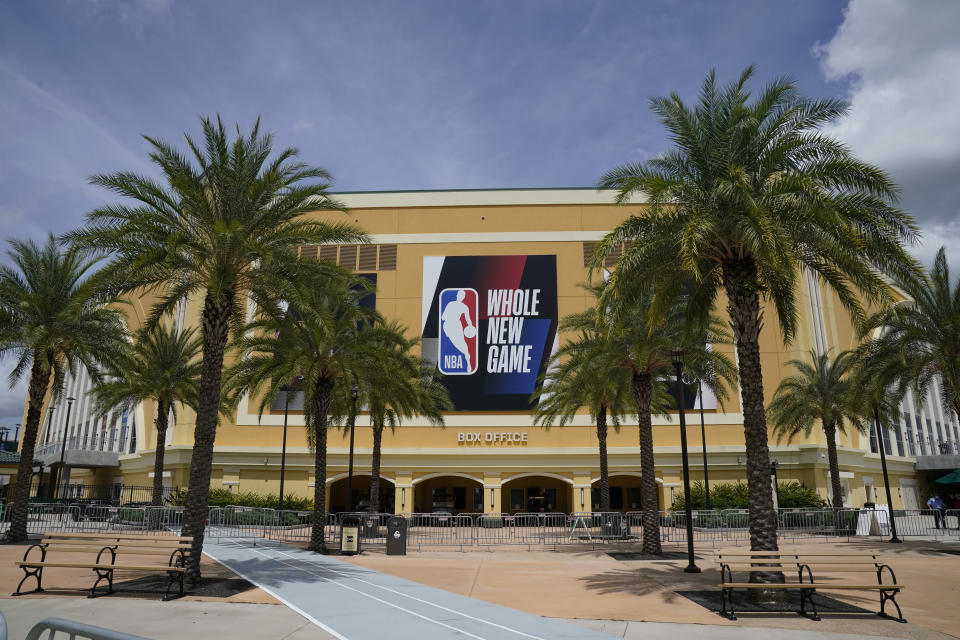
(516, 222)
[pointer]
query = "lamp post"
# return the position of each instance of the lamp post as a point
(50, 411)
(776, 484)
(16, 434)
(353, 419)
(63, 447)
(283, 452)
(677, 356)
(886, 479)
(703, 439)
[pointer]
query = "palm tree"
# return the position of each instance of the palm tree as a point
(402, 386)
(325, 339)
(822, 390)
(53, 321)
(162, 365)
(751, 193)
(225, 220)
(644, 346)
(578, 378)
(919, 339)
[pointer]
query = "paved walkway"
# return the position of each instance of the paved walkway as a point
(354, 603)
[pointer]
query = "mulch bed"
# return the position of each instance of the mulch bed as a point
(712, 600)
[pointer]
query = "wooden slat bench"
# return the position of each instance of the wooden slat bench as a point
(805, 565)
(175, 548)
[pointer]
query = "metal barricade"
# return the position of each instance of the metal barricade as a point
(439, 530)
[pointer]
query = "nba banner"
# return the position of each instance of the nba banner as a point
(490, 325)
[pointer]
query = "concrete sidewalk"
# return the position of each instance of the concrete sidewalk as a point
(174, 620)
(354, 603)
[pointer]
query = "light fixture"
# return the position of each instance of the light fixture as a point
(491, 497)
(582, 505)
(739, 459)
(403, 496)
(266, 461)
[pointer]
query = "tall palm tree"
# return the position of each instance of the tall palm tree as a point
(225, 219)
(402, 386)
(919, 339)
(324, 338)
(822, 390)
(162, 365)
(751, 193)
(578, 378)
(53, 321)
(644, 346)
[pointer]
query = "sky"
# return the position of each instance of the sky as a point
(452, 94)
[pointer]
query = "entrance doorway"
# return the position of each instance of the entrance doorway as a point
(448, 494)
(624, 493)
(337, 494)
(536, 494)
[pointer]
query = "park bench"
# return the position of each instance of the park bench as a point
(810, 569)
(174, 548)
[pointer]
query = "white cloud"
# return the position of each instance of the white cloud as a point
(903, 59)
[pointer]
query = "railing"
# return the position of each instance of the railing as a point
(109, 444)
(74, 630)
(427, 531)
(112, 494)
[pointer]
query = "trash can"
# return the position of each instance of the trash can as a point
(350, 535)
(397, 536)
(371, 526)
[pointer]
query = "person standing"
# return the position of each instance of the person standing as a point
(938, 507)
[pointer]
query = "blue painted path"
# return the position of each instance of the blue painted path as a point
(355, 603)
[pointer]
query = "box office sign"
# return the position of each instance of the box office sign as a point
(490, 325)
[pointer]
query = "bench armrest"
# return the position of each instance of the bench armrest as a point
(800, 568)
(880, 568)
(43, 551)
(113, 554)
(725, 574)
(177, 558)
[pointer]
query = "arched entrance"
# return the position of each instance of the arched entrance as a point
(452, 494)
(533, 493)
(337, 494)
(624, 492)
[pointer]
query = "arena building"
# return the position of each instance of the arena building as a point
(510, 262)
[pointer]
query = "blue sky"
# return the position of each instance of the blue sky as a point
(434, 95)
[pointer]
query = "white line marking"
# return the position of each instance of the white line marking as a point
(372, 597)
(276, 595)
(406, 595)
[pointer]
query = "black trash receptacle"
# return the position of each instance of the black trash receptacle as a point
(397, 536)
(350, 535)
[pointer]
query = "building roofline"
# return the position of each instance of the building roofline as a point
(477, 197)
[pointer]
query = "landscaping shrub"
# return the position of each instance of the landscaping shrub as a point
(223, 498)
(734, 495)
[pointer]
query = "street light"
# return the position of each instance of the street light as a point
(703, 439)
(283, 452)
(886, 479)
(354, 393)
(50, 411)
(16, 434)
(63, 448)
(677, 357)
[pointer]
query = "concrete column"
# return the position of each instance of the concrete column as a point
(492, 493)
(403, 492)
(581, 499)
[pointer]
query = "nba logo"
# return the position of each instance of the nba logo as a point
(458, 332)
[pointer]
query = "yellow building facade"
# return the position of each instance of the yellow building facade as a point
(489, 458)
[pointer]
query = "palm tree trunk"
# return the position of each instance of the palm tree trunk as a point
(322, 396)
(162, 418)
(604, 467)
(375, 469)
(39, 382)
(743, 305)
(836, 490)
(216, 326)
(649, 502)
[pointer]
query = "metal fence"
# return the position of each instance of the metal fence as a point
(439, 531)
(112, 494)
